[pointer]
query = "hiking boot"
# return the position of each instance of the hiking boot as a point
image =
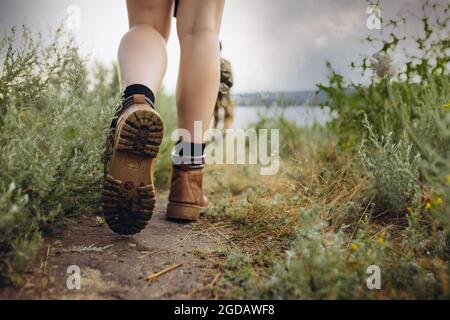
(186, 199)
(128, 194)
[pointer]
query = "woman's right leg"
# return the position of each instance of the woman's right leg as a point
(198, 25)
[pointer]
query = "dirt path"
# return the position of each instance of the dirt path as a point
(116, 267)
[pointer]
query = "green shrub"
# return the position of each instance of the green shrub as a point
(400, 113)
(435, 168)
(393, 169)
(322, 264)
(51, 137)
(55, 111)
(392, 99)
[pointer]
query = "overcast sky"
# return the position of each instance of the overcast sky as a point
(276, 45)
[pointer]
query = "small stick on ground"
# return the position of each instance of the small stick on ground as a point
(214, 281)
(156, 275)
(44, 271)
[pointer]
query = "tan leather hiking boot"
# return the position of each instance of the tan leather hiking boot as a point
(186, 199)
(128, 194)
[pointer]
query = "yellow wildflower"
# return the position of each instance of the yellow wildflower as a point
(435, 200)
(381, 237)
(354, 246)
(446, 106)
(428, 206)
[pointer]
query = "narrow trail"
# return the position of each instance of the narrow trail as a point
(117, 267)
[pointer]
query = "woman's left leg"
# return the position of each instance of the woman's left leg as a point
(128, 195)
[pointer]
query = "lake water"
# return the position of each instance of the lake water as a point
(303, 116)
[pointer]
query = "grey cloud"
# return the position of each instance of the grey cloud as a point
(286, 43)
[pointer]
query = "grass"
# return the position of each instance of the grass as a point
(371, 188)
(311, 232)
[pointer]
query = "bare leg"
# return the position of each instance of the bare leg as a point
(142, 52)
(136, 133)
(198, 26)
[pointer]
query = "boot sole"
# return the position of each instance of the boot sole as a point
(180, 211)
(128, 194)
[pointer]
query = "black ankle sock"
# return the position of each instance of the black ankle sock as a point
(139, 89)
(192, 154)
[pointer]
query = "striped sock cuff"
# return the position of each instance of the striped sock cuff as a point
(126, 102)
(192, 161)
(139, 89)
(188, 153)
